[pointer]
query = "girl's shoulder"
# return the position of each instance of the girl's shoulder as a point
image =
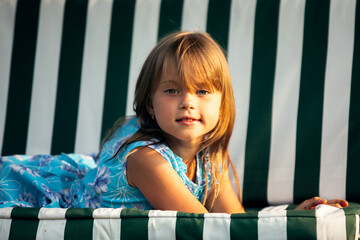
(110, 149)
(116, 140)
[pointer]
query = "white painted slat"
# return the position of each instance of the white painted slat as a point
(357, 233)
(337, 99)
(194, 15)
(216, 226)
(5, 212)
(7, 25)
(330, 223)
(5, 225)
(52, 223)
(113, 213)
(52, 213)
(51, 229)
(241, 38)
(43, 96)
(285, 102)
(145, 31)
(272, 223)
(275, 208)
(107, 223)
(5, 222)
(93, 77)
(162, 225)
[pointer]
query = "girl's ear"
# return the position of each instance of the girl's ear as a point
(150, 109)
(151, 112)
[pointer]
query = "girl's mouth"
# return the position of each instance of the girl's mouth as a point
(188, 121)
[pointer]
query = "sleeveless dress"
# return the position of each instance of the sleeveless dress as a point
(74, 180)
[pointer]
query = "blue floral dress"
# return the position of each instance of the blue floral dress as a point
(73, 180)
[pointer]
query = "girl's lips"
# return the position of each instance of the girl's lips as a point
(187, 121)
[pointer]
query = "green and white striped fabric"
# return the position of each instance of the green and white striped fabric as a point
(68, 70)
(106, 223)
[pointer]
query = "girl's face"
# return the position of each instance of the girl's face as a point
(182, 115)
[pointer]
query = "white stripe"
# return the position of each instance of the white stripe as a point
(330, 223)
(88, 130)
(52, 213)
(357, 234)
(51, 229)
(6, 212)
(162, 225)
(5, 222)
(146, 24)
(275, 208)
(272, 224)
(241, 38)
(43, 96)
(107, 223)
(52, 223)
(337, 99)
(113, 213)
(285, 102)
(194, 15)
(7, 25)
(5, 226)
(216, 226)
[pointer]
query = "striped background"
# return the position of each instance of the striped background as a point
(275, 223)
(68, 70)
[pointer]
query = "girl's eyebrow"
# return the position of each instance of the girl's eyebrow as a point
(170, 81)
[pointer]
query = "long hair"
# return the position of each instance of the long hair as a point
(196, 57)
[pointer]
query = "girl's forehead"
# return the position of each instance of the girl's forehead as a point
(169, 71)
(186, 77)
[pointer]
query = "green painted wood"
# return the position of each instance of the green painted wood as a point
(21, 77)
(311, 98)
(69, 77)
(257, 151)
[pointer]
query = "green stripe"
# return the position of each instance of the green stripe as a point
(79, 224)
(218, 21)
(78, 229)
(170, 17)
(24, 223)
(76, 213)
(70, 66)
(21, 77)
(350, 226)
(353, 164)
(301, 225)
(353, 208)
(244, 226)
(189, 226)
(118, 67)
(350, 212)
(310, 111)
(257, 150)
(134, 224)
(25, 213)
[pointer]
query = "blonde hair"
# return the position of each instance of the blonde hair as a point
(196, 56)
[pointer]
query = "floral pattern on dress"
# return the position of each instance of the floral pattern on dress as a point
(101, 181)
(23, 169)
(27, 197)
(8, 186)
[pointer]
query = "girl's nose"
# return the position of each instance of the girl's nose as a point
(187, 102)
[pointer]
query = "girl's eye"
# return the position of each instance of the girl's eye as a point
(202, 92)
(171, 91)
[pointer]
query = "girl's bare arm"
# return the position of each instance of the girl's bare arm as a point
(227, 201)
(158, 181)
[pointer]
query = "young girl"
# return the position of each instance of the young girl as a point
(173, 155)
